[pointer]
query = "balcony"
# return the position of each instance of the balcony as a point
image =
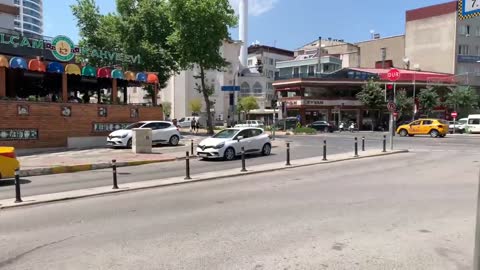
(300, 75)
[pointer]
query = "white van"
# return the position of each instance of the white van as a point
(186, 122)
(473, 124)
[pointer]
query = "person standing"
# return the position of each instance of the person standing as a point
(193, 125)
(197, 125)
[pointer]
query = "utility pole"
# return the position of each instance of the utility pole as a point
(319, 56)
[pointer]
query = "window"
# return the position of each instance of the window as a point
(270, 74)
(296, 72)
(464, 30)
(416, 123)
(427, 122)
(477, 31)
(256, 132)
(16, 2)
(474, 121)
(245, 89)
(463, 49)
(271, 62)
(250, 62)
(311, 70)
(257, 89)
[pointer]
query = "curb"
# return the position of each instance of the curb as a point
(91, 167)
(194, 180)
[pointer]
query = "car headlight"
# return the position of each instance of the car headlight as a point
(218, 146)
(125, 135)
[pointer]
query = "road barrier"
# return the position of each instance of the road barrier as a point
(191, 148)
(363, 144)
(18, 196)
(244, 167)
(355, 147)
(384, 143)
(187, 166)
(114, 171)
(288, 155)
(324, 150)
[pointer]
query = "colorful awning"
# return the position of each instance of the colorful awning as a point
(18, 62)
(141, 77)
(36, 65)
(104, 73)
(152, 78)
(73, 69)
(55, 67)
(117, 74)
(89, 71)
(129, 76)
(4, 61)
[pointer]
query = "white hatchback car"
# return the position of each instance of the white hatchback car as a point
(163, 132)
(228, 143)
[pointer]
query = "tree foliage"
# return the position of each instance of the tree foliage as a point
(428, 99)
(372, 95)
(195, 105)
(247, 104)
(199, 28)
(404, 103)
(463, 99)
(166, 108)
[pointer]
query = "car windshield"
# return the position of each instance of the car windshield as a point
(226, 133)
(135, 125)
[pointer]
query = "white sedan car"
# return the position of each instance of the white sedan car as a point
(228, 143)
(163, 132)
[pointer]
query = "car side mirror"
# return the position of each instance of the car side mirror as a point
(239, 138)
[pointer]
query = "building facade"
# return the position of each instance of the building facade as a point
(437, 40)
(30, 17)
(384, 52)
(8, 14)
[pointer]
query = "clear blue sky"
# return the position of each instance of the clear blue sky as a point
(291, 23)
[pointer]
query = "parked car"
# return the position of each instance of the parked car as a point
(433, 127)
(322, 126)
(291, 123)
(8, 162)
(186, 122)
(473, 125)
(251, 123)
(163, 132)
(458, 126)
(228, 143)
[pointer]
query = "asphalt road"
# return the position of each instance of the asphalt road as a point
(410, 211)
(302, 147)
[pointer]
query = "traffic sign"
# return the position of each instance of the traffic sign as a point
(395, 115)
(392, 107)
(454, 114)
(393, 75)
(230, 88)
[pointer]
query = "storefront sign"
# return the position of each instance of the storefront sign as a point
(63, 49)
(108, 127)
(18, 134)
(468, 58)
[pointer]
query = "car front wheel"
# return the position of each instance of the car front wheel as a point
(129, 143)
(229, 154)
(266, 150)
(174, 140)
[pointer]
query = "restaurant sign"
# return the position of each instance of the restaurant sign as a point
(18, 134)
(64, 50)
(108, 127)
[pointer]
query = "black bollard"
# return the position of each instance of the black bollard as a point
(288, 155)
(187, 166)
(363, 143)
(324, 150)
(18, 196)
(356, 147)
(244, 168)
(114, 171)
(191, 148)
(384, 143)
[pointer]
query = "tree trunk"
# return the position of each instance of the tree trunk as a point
(207, 101)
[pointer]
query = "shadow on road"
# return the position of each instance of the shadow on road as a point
(11, 182)
(247, 157)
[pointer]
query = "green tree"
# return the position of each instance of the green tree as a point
(372, 96)
(195, 105)
(150, 90)
(462, 99)
(428, 99)
(404, 103)
(247, 104)
(139, 27)
(199, 28)
(166, 108)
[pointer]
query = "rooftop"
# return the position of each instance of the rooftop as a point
(263, 48)
(431, 11)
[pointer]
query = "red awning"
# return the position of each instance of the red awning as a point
(104, 73)
(36, 65)
(152, 78)
(411, 75)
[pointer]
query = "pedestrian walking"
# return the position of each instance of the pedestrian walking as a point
(193, 125)
(197, 125)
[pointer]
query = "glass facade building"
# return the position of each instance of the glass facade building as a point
(30, 19)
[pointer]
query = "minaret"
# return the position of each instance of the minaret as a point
(243, 31)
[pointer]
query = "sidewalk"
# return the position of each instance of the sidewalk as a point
(75, 194)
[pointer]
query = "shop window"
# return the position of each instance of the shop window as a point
(463, 49)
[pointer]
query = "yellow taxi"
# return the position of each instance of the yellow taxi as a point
(433, 127)
(8, 162)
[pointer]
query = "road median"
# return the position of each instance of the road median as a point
(124, 187)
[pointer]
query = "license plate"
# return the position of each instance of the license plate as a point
(202, 155)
